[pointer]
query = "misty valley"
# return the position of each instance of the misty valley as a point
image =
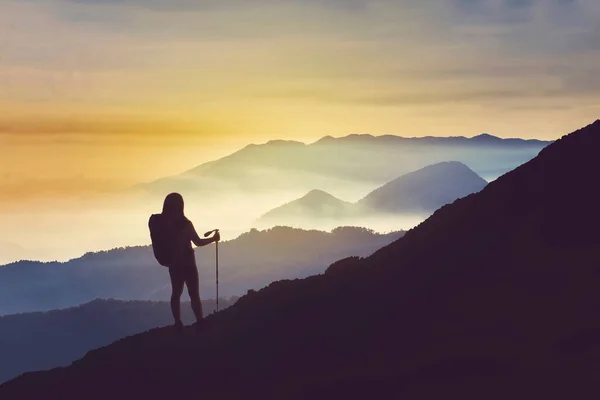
(245, 189)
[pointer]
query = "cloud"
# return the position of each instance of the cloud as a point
(190, 55)
(87, 129)
(25, 190)
(490, 97)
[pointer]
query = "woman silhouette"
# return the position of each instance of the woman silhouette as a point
(183, 269)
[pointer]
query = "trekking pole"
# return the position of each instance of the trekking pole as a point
(216, 262)
(217, 271)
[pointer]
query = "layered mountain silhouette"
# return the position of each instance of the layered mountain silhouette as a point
(44, 340)
(477, 140)
(494, 296)
(250, 261)
(351, 161)
(234, 191)
(418, 193)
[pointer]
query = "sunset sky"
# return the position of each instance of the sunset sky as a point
(101, 94)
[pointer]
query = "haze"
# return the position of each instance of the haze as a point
(97, 96)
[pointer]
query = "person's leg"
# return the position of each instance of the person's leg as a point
(193, 285)
(177, 282)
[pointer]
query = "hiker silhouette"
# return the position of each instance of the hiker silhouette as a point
(182, 263)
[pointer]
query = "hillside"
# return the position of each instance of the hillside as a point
(250, 261)
(495, 296)
(44, 340)
(425, 190)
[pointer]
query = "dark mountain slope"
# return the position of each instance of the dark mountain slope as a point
(43, 340)
(250, 261)
(494, 296)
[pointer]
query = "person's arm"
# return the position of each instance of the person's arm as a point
(198, 241)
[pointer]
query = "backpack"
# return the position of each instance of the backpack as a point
(161, 240)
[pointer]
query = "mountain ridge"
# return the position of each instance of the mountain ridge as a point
(249, 261)
(292, 157)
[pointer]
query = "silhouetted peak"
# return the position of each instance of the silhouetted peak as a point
(426, 189)
(486, 137)
(325, 139)
(352, 138)
(317, 194)
(271, 144)
(454, 167)
(360, 136)
(248, 146)
(453, 170)
(317, 198)
(280, 142)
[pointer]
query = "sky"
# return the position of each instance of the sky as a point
(97, 95)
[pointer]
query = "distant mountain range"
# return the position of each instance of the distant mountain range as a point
(353, 160)
(481, 139)
(250, 261)
(420, 192)
(44, 340)
(494, 296)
